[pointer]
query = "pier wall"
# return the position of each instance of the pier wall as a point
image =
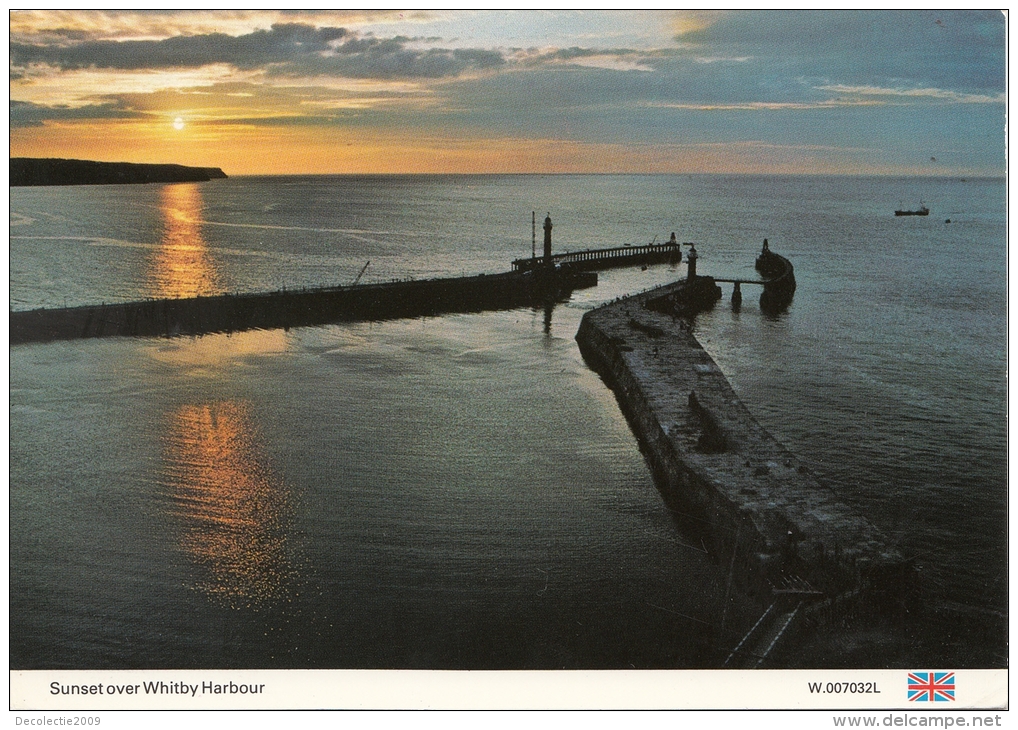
(780, 283)
(699, 507)
(752, 503)
(284, 309)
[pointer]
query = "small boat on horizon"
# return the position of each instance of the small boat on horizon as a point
(923, 210)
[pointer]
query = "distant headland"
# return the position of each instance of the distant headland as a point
(52, 171)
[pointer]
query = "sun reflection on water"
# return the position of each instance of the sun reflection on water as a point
(232, 509)
(214, 355)
(183, 266)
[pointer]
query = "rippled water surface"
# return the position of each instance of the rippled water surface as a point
(462, 491)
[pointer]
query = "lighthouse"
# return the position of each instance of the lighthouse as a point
(547, 240)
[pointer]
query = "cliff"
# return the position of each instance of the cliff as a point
(50, 171)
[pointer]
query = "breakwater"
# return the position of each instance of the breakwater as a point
(756, 506)
(297, 308)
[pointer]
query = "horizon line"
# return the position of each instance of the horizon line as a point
(561, 173)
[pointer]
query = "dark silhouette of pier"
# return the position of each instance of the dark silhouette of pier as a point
(535, 282)
(779, 280)
(298, 308)
(603, 258)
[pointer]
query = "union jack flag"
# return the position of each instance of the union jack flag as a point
(931, 686)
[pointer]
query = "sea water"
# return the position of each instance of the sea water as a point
(462, 491)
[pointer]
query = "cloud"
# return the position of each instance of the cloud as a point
(686, 22)
(26, 114)
(610, 59)
(281, 42)
(943, 49)
(281, 120)
(940, 95)
(391, 58)
(722, 59)
(769, 105)
(613, 63)
(89, 86)
(40, 26)
(287, 49)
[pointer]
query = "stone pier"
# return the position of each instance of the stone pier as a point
(757, 507)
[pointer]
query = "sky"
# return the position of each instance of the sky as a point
(415, 91)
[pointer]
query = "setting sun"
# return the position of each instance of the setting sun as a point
(178, 123)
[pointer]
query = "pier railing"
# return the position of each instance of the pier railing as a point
(598, 258)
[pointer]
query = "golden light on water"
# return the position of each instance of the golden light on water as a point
(183, 266)
(231, 509)
(214, 354)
